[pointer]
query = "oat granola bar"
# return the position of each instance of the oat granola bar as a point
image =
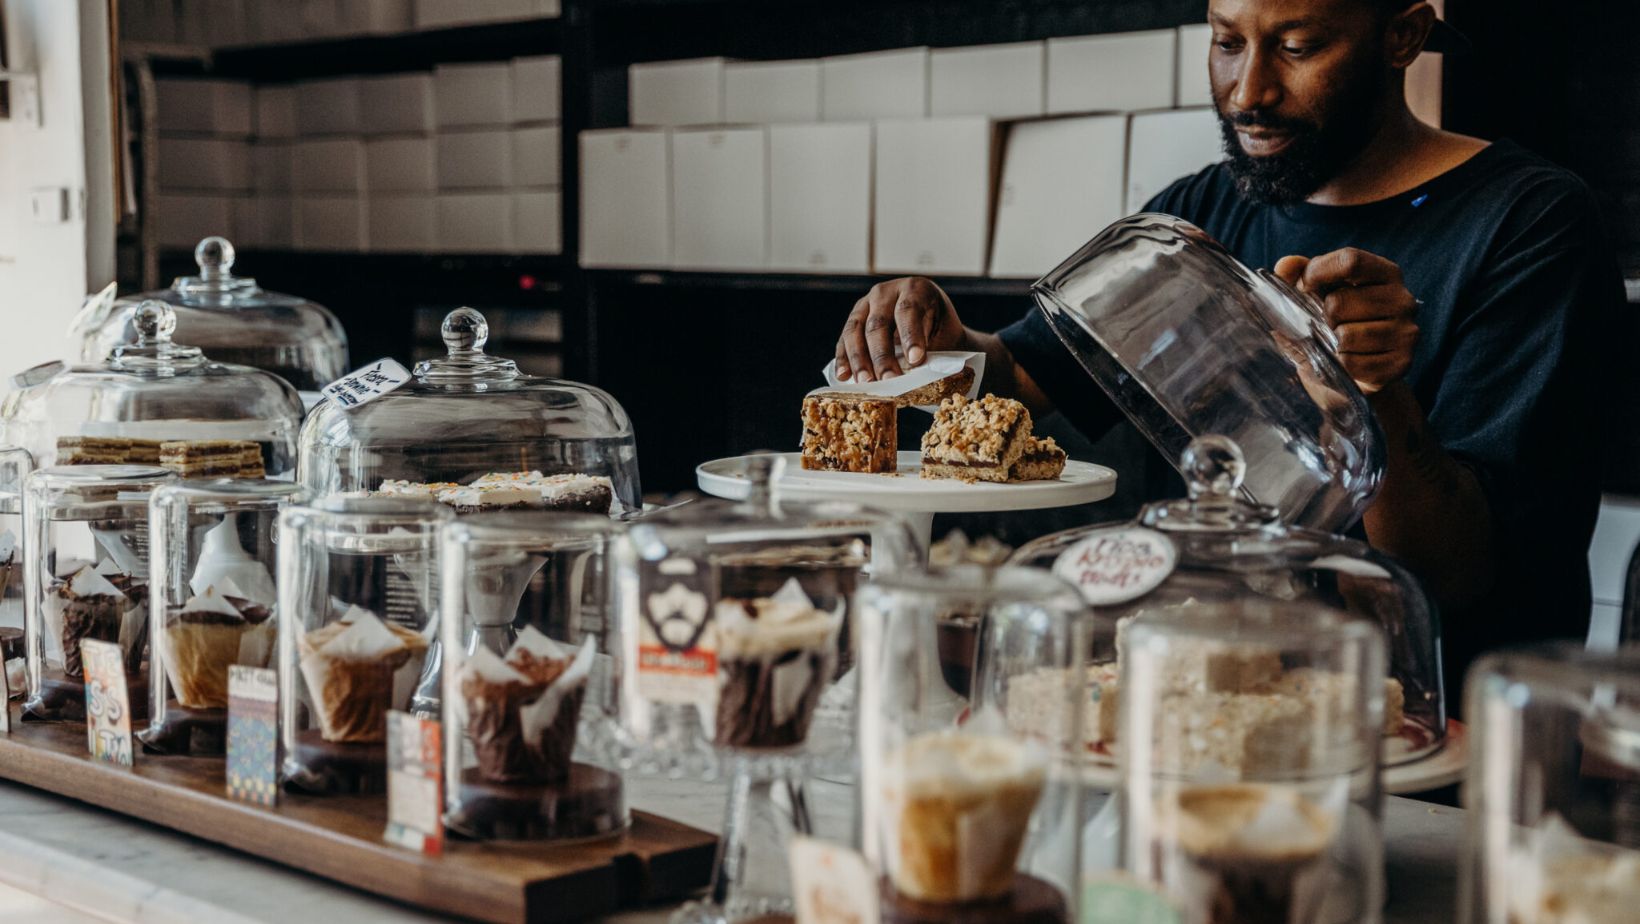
(976, 440)
(849, 433)
(1042, 460)
(935, 392)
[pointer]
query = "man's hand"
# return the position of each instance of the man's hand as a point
(1367, 306)
(912, 313)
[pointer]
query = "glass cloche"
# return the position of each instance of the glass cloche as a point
(1215, 547)
(469, 429)
(233, 319)
(156, 402)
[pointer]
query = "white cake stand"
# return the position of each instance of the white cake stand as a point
(908, 494)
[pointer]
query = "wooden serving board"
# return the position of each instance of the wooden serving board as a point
(339, 837)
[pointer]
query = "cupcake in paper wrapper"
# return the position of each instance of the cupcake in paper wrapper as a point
(776, 656)
(350, 668)
(205, 636)
(86, 604)
(523, 711)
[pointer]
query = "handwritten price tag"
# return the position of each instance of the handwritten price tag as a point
(1116, 565)
(367, 384)
(107, 702)
(832, 884)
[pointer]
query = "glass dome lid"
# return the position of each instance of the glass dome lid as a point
(1189, 342)
(232, 318)
(1216, 547)
(472, 420)
(150, 392)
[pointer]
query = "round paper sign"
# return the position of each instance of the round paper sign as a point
(1116, 565)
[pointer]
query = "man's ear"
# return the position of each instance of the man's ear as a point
(1406, 34)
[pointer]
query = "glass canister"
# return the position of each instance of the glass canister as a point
(156, 402)
(212, 602)
(1215, 547)
(1242, 800)
(474, 433)
(86, 532)
(1189, 342)
(531, 677)
(15, 465)
(1553, 791)
(358, 608)
(965, 817)
(233, 319)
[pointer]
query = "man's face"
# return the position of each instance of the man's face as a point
(1298, 84)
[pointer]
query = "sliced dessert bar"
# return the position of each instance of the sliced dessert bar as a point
(935, 392)
(1042, 460)
(92, 450)
(849, 433)
(205, 458)
(143, 452)
(975, 440)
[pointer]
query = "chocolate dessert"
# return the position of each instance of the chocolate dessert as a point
(776, 656)
(523, 711)
(212, 458)
(88, 605)
(1250, 854)
(349, 667)
(1042, 460)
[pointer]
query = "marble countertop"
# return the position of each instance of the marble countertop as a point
(112, 867)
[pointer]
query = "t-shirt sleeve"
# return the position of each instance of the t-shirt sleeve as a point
(1515, 402)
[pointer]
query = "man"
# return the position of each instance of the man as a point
(1468, 284)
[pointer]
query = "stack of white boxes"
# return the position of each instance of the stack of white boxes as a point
(203, 159)
(996, 160)
(219, 23)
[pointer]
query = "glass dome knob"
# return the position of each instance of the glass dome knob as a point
(215, 257)
(155, 321)
(1213, 466)
(465, 331)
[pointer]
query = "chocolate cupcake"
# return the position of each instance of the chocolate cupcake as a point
(523, 712)
(775, 657)
(86, 605)
(350, 667)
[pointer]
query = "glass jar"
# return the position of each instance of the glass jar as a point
(972, 815)
(472, 421)
(15, 465)
(212, 599)
(1553, 792)
(86, 538)
(531, 677)
(1217, 547)
(156, 402)
(1249, 792)
(233, 319)
(1189, 342)
(358, 610)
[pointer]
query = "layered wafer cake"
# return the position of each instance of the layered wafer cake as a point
(850, 433)
(92, 450)
(211, 458)
(976, 440)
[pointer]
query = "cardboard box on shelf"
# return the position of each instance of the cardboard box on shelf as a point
(204, 163)
(377, 17)
(474, 159)
(472, 95)
(1164, 146)
(328, 107)
(400, 165)
(934, 185)
(1001, 81)
(1192, 87)
(1062, 183)
(626, 201)
(536, 153)
(276, 111)
(396, 103)
(328, 165)
(676, 92)
(265, 222)
(876, 85)
(538, 221)
(536, 89)
(183, 219)
(820, 198)
(768, 92)
(403, 223)
(1121, 72)
(217, 107)
(334, 223)
(443, 14)
(272, 166)
(720, 199)
(475, 222)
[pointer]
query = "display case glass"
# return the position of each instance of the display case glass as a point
(15, 465)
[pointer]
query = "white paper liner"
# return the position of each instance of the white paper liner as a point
(535, 718)
(223, 559)
(786, 621)
(366, 638)
(935, 367)
(1585, 881)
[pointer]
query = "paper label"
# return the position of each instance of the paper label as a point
(1119, 899)
(677, 651)
(367, 384)
(831, 884)
(935, 367)
(107, 702)
(253, 734)
(415, 792)
(1116, 565)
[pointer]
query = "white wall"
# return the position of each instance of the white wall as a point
(46, 269)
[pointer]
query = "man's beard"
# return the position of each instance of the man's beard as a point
(1318, 150)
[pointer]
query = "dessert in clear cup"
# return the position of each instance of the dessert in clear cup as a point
(523, 709)
(208, 634)
(776, 656)
(356, 670)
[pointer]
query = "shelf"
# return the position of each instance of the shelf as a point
(372, 54)
(787, 282)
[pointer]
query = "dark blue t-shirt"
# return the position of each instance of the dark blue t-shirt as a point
(1507, 255)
